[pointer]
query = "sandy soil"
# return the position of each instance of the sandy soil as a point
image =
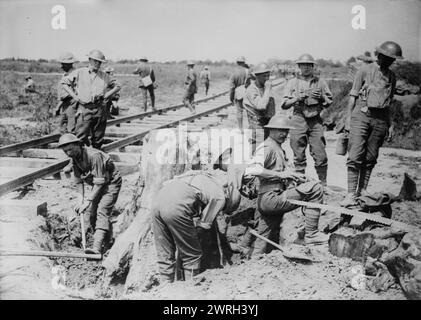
(266, 277)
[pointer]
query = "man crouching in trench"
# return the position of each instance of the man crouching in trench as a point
(95, 168)
(190, 200)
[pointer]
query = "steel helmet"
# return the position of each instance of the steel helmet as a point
(190, 63)
(261, 68)
(206, 68)
(241, 59)
(281, 122)
(390, 49)
(143, 58)
(109, 69)
(67, 57)
(305, 58)
(66, 139)
(28, 77)
(366, 57)
(97, 55)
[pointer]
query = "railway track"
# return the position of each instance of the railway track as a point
(22, 163)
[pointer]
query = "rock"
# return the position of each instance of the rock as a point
(408, 189)
(405, 264)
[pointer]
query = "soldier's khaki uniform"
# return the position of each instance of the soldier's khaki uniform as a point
(272, 201)
(205, 79)
(195, 195)
(68, 107)
(97, 168)
(258, 118)
(370, 117)
(91, 116)
(310, 129)
(190, 89)
(144, 70)
(238, 79)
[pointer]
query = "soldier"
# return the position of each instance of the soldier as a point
(258, 103)
(29, 85)
(309, 95)
(67, 105)
(147, 82)
(205, 78)
(91, 88)
(269, 164)
(95, 168)
(190, 200)
(190, 87)
(368, 117)
(239, 81)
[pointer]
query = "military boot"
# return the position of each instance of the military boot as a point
(312, 233)
(99, 237)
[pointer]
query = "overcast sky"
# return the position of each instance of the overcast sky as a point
(166, 30)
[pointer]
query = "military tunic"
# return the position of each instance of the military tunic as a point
(96, 168)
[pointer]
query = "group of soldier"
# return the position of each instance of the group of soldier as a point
(194, 199)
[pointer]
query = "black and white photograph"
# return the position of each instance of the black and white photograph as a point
(227, 152)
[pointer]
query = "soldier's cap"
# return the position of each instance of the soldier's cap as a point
(109, 69)
(28, 77)
(66, 139)
(206, 68)
(97, 55)
(261, 68)
(281, 122)
(143, 58)
(67, 57)
(190, 63)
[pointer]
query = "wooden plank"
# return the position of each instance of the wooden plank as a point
(29, 144)
(133, 149)
(24, 162)
(44, 153)
(23, 207)
(27, 179)
(13, 172)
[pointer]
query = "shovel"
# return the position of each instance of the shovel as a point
(289, 255)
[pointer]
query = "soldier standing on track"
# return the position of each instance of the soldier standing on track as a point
(190, 87)
(147, 82)
(269, 164)
(95, 168)
(67, 106)
(239, 81)
(308, 94)
(205, 78)
(368, 119)
(91, 88)
(258, 103)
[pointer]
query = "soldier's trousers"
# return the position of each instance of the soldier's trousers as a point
(256, 125)
(309, 132)
(91, 122)
(145, 91)
(172, 221)
(68, 118)
(239, 112)
(188, 101)
(102, 206)
(272, 206)
(206, 85)
(367, 134)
